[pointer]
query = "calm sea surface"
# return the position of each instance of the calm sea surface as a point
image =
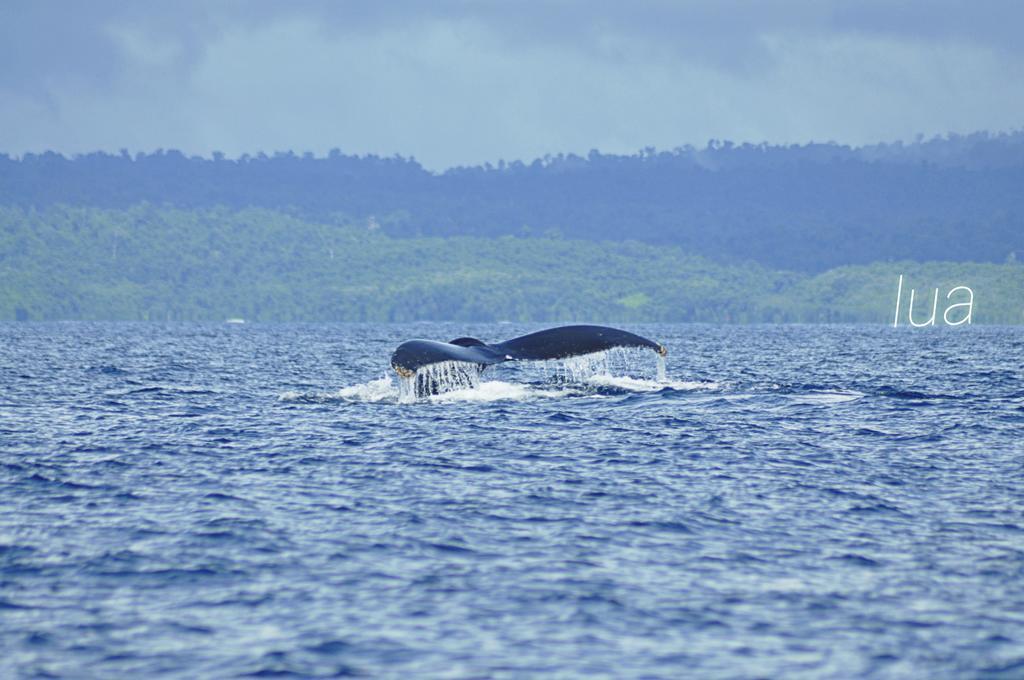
(218, 501)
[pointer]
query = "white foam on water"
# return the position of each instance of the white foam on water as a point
(496, 390)
(381, 389)
(837, 397)
(454, 381)
(643, 385)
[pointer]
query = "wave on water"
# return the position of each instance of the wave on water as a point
(382, 389)
(827, 397)
(727, 517)
(630, 384)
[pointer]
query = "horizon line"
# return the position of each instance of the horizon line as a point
(713, 145)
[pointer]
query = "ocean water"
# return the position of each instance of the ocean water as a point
(184, 501)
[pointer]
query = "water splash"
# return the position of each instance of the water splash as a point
(579, 369)
(619, 368)
(439, 378)
(458, 378)
(618, 361)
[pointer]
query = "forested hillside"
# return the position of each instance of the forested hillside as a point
(156, 263)
(805, 208)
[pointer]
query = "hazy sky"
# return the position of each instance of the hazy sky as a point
(466, 82)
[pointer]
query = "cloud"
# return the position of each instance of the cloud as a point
(459, 82)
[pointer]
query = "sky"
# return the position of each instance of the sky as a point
(466, 82)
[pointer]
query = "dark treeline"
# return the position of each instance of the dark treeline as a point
(808, 208)
(167, 264)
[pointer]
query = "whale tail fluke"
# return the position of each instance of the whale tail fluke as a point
(554, 343)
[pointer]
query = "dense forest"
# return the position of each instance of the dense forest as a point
(806, 208)
(149, 262)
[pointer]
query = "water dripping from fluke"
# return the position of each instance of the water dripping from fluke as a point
(429, 367)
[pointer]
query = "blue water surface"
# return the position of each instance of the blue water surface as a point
(214, 500)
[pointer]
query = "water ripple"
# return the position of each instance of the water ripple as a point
(208, 501)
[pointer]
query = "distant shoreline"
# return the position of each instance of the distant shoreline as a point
(164, 264)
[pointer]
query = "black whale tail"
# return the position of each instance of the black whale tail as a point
(554, 343)
(570, 341)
